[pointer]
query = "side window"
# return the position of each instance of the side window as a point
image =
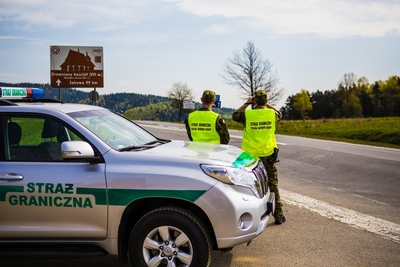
(35, 138)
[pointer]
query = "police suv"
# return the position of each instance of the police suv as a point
(81, 180)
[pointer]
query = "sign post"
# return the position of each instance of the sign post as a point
(76, 66)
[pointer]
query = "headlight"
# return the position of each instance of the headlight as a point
(236, 176)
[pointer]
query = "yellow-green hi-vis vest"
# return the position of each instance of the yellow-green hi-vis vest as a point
(259, 133)
(202, 126)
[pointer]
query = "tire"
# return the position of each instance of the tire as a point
(170, 236)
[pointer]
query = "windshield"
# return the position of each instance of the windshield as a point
(115, 130)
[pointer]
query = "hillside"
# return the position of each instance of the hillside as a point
(132, 105)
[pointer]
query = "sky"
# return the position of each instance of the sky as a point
(148, 45)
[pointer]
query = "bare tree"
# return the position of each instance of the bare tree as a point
(178, 93)
(348, 82)
(346, 85)
(248, 72)
(347, 89)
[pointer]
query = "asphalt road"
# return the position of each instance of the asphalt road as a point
(306, 239)
(341, 202)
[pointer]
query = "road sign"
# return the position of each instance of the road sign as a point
(188, 104)
(217, 104)
(76, 66)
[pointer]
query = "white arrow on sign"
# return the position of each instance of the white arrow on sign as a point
(58, 82)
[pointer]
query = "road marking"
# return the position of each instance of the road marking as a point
(173, 128)
(356, 219)
(336, 189)
(376, 201)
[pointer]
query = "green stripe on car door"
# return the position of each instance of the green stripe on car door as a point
(122, 197)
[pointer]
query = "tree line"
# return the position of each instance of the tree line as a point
(132, 105)
(353, 98)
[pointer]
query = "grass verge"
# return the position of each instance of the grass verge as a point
(368, 131)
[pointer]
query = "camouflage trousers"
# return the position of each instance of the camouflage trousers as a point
(272, 172)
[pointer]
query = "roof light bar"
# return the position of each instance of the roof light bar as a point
(20, 93)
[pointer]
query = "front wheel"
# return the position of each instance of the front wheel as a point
(170, 236)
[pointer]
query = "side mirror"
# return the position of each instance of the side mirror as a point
(76, 150)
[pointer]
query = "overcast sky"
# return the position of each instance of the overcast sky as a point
(151, 44)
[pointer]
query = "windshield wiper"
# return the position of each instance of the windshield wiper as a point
(148, 145)
(131, 148)
(160, 141)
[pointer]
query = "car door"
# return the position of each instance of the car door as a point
(43, 196)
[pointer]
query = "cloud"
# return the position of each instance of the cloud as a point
(10, 37)
(24, 39)
(327, 18)
(217, 29)
(341, 18)
(59, 14)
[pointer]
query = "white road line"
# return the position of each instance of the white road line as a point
(356, 219)
(236, 136)
(382, 203)
(162, 127)
(336, 189)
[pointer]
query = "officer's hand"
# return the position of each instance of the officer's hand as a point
(249, 100)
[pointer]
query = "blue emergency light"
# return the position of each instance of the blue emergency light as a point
(20, 93)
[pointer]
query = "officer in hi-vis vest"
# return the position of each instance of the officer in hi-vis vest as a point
(259, 140)
(204, 125)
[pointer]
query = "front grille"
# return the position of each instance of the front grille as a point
(262, 178)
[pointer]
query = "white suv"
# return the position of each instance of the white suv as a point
(82, 180)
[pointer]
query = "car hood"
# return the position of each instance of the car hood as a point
(204, 152)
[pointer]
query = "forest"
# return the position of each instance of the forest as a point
(353, 98)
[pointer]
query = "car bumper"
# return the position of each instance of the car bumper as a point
(236, 214)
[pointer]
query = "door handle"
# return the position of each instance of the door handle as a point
(11, 176)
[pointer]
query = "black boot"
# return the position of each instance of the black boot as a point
(280, 221)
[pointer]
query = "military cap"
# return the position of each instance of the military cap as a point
(208, 96)
(260, 96)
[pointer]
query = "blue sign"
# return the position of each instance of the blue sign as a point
(217, 104)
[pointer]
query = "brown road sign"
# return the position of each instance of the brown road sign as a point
(76, 66)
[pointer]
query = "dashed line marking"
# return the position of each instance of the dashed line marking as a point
(336, 189)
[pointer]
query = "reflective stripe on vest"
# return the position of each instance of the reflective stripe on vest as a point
(259, 133)
(202, 126)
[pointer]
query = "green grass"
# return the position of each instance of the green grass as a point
(234, 125)
(370, 131)
(384, 132)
